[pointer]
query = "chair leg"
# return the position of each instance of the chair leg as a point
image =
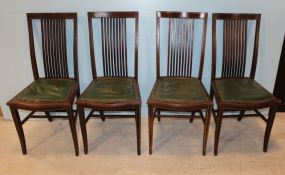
(19, 128)
(218, 130)
(158, 118)
(102, 116)
(206, 129)
(271, 117)
(48, 116)
(191, 119)
(83, 128)
(72, 125)
(240, 115)
(150, 127)
(138, 129)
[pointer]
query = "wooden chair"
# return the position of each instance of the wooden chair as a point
(180, 90)
(234, 90)
(55, 91)
(115, 91)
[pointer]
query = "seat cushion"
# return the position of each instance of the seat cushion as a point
(184, 90)
(241, 90)
(110, 90)
(46, 90)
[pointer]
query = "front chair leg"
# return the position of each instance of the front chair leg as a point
(206, 129)
(83, 128)
(138, 129)
(19, 128)
(150, 127)
(218, 130)
(270, 121)
(72, 125)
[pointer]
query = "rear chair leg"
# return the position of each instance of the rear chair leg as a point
(83, 128)
(191, 119)
(102, 116)
(240, 115)
(19, 128)
(206, 129)
(150, 127)
(270, 121)
(138, 129)
(218, 130)
(48, 116)
(72, 125)
(158, 118)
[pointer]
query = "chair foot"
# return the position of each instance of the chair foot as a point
(191, 120)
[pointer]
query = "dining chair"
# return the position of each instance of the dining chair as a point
(114, 94)
(52, 92)
(236, 38)
(180, 89)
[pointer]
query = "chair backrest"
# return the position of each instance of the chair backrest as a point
(235, 43)
(114, 34)
(54, 43)
(180, 42)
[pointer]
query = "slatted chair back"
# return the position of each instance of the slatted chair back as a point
(114, 34)
(180, 42)
(54, 43)
(235, 44)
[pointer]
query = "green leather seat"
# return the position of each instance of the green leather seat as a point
(241, 91)
(180, 90)
(46, 90)
(110, 90)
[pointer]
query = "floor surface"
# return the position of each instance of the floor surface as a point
(112, 148)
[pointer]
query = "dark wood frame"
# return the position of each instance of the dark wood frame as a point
(156, 107)
(130, 106)
(242, 107)
(47, 107)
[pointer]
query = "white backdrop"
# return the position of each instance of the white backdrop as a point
(15, 66)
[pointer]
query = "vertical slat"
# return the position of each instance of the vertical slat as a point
(64, 47)
(125, 45)
(109, 55)
(180, 47)
(169, 54)
(54, 47)
(244, 45)
(234, 48)
(114, 46)
(103, 32)
(191, 46)
(43, 30)
(121, 46)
